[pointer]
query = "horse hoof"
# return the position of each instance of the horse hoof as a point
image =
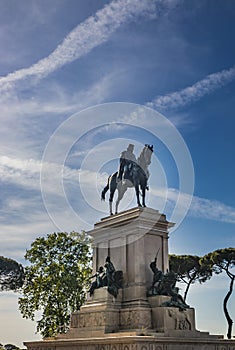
(111, 213)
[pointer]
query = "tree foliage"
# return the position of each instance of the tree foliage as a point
(11, 274)
(190, 269)
(55, 280)
(223, 260)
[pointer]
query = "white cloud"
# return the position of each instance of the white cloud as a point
(87, 35)
(212, 210)
(20, 172)
(193, 93)
(200, 207)
(26, 173)
(36, 119)
(59, 101)
(81, 188)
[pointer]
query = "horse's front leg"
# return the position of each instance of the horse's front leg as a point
(143, 196)
(137, 191)
(111, 207)
(111, 201)
(116, 206)
(121, 190)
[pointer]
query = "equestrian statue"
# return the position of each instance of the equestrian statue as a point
(132, 173)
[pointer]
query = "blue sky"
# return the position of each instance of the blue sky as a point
(79, 81)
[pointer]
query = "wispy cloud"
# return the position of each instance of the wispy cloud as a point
(212, 210)
(20, 172)
(194, 92)
(27, 173)
(87, 35)
(59, 100)
(36, 118)
(200, 207)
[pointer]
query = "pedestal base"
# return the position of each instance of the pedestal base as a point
(103, 315)
(132, 341)
(100, 315)
(132, 321)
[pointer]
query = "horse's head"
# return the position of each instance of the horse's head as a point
(144, 160)
(148, 150)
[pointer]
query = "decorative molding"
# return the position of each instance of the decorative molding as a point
(94, 319)
(137, 344)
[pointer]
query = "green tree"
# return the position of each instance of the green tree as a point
(56, 280)
(223, 260)
(11, 274)
(190, 269)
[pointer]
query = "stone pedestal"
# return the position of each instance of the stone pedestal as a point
(133, 320)
(171, 320)
(132, 239)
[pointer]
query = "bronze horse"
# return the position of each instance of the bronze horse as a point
(138, 178)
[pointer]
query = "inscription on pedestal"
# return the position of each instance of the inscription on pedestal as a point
(132, 347)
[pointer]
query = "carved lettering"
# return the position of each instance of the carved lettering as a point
(133, 347)
(126, 347)
(104, 347)
(230, 347)
(41, 348)
(114, 347)
(156, 347)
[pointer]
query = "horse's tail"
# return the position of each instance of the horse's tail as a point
(106, 188)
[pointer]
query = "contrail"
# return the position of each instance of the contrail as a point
(96, 30)
(193, 93)
(92, 32)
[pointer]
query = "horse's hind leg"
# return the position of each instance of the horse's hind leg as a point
(110, 207)
(112, 189)
(111, 202)
(121, 191)
(143, 196)
(137, 191)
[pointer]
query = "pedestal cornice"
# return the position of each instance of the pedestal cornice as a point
(149, 215)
